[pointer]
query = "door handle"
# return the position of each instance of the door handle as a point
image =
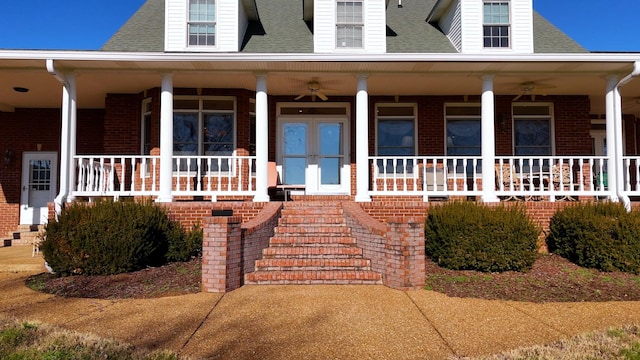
(24, 188)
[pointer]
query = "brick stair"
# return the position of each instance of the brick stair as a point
(25, 234)
(312, 245)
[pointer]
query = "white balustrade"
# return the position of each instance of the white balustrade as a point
(125, 175)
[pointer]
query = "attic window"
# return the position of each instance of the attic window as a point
(496, 24)
(349, 24)
(202, 23)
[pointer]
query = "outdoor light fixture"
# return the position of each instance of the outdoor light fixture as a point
(20, 89)
(8, 157)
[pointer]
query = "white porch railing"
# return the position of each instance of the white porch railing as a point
(632, 175)
(124, 175)
(516, 177)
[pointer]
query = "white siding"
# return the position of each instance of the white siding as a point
(471, 11)
(451, 25)
(522, 26)
(324, 26)
(231, 23)
(227, 25)
(175, 25)
(375, 27)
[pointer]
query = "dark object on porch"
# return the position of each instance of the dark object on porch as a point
(7, 242)
(222, 212)
(275, 184)
(16, 236)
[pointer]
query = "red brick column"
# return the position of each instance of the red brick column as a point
(221, 254)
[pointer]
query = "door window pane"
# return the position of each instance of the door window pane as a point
(295, 139)
(294, 170)
(330, 139)
(330, 171)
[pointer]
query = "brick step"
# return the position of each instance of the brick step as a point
(305, 240)
(302, 211)
(313, 264)
(302, 277)
(324, 229)
(311, 219)
(315, 252)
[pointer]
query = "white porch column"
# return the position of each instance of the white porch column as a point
(612, 170)
(362, 141)
(488, 141)
(64, 147)
(73, 130)
(166, 139)
(262, 140)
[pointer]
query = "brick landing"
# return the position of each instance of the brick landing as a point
(312, 245)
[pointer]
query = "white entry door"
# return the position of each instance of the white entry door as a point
(313, 154)
(39, 186)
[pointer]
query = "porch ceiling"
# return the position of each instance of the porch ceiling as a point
(96, 78)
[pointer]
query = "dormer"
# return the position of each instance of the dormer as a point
(207, 25)
(486, 26)
(347, 26)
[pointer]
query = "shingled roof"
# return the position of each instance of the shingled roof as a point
(281, 29)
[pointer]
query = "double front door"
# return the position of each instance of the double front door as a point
(313, 153)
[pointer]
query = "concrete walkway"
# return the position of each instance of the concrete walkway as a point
(308, 322)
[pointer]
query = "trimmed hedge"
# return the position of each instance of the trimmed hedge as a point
(109, 237)
(470, 236)
(602, 236)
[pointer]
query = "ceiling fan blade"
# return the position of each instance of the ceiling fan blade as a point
(517, 97)
(322, 96)
(299, 97)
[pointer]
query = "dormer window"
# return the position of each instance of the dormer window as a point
(496, 24)
(349, 24)
(202, 23)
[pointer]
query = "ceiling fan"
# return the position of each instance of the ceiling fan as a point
(532, 89)
(314, 90)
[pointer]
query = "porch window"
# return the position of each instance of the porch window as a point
(396, 136)
(145, 146)
(349, 24)
(201, 26)
(496, 24)
(464, 137)
(532, 129)
(204, 126)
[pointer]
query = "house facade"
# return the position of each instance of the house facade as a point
(387, 104)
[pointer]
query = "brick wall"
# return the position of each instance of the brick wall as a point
(23, 130)
(230, 248)
(396, 248)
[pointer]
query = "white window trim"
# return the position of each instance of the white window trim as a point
(509, 25)
(459, 117)
(214, 23)
(200, 111)
(551, 117)
(363, 24)
(143, 133)
(393, 117)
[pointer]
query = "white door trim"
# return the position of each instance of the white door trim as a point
(30, 213)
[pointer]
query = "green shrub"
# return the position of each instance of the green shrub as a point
(597, 235)
(109, 237)
(183, 248)
(469, 236)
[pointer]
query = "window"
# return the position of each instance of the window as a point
(201, 27)
(532, 129)
(396, 136)
(349, 24)
(496, 24)
(204, 126)
(464, 137)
